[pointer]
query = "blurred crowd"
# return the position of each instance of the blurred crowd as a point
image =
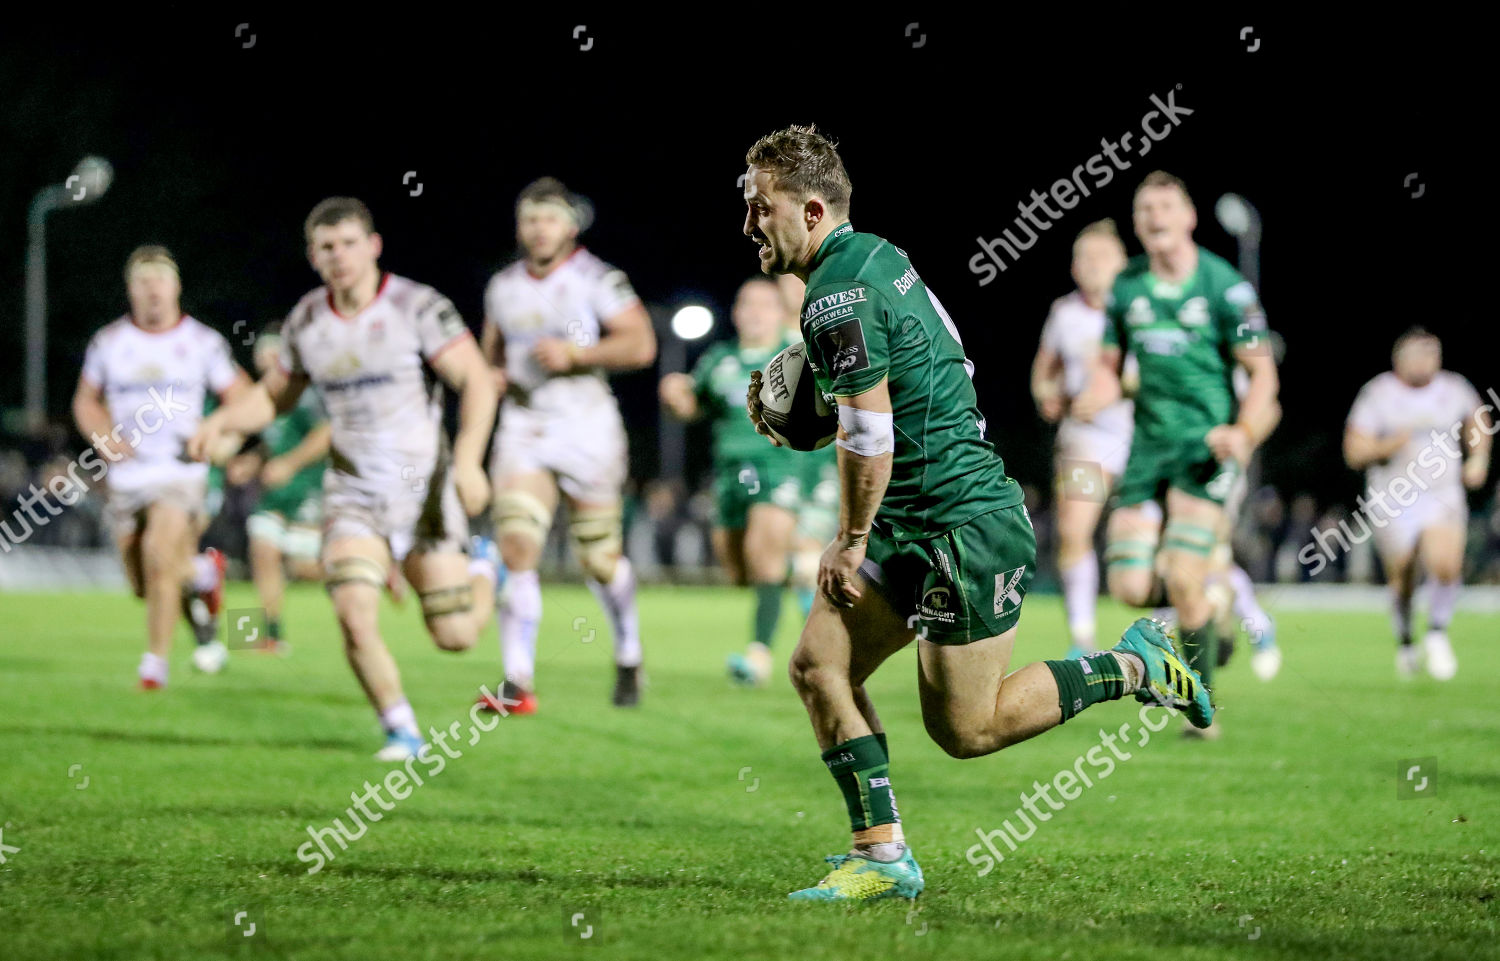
(668, 523)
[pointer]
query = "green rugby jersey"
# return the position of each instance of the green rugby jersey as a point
(1184, 336)
(868, 315)
(282, 435)
(721, 378)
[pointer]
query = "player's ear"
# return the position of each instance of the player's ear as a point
(813, 212)
(376, 244)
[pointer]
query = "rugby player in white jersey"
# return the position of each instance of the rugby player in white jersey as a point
(374, 344)
(556, 322)
(1090, 455)
(1417, 434)
(139, 398)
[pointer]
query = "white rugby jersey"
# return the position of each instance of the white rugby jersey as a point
(572, 302)
(1073, 331)
(155, 384)
(1388, 405)
(372, 371)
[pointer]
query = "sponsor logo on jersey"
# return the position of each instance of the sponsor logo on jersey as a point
(1193, 313)
(824, 304)
(1008, 590)
(1140, 312)
(905, 282)
(843, 344)
(846, 228)
(354, 383)
(1166, 342)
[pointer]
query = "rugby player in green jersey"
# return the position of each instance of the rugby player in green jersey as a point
(934, 543)
(757, 487)
(1189, 318)
(285, 530)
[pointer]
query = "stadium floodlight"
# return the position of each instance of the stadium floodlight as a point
(1241, 220)
(87, 183)
(692, 322)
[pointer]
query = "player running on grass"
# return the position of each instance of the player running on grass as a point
(933, 543)
(1189, 318)
(758, 488)
(139, 398)
(1418, 425)
(1090, 454)
(371, 343)
(555, 323)
(285, 528)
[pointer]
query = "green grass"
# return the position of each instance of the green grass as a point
(678, 828)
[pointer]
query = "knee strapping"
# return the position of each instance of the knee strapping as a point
(1190, 538)
(596, 539)
(523, 515)
(447, 600)
(1129, 553)
(354, 570)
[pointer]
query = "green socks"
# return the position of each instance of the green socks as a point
(767, 612)
(1087, 680)
(861, 769)
(1200, 649)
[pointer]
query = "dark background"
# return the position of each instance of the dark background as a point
(220, 151)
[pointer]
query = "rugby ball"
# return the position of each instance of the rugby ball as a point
(794, 408)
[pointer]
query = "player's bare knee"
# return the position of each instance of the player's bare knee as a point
(451, 633)
(961, 743)
(1132, 588)
(809, 675)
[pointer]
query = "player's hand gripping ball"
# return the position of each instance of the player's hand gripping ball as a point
(785, 404)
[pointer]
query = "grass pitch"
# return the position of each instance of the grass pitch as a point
(163, 826)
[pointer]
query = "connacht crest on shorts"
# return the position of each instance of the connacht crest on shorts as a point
(1007, 590)
(844, 346)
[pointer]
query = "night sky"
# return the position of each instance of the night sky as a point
(220, 150)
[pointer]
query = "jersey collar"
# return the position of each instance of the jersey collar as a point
(832, 242)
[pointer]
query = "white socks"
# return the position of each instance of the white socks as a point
(1080, 584)
(1252, 618)
(1442, 598)
(400, 717)
(153, 668)
(618, 600)
(205, 573)
(520, 619)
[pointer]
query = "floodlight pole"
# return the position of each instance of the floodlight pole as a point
(46, 200)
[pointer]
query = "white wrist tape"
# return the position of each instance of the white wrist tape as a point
(870, 433)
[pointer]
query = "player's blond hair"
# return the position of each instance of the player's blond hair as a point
(336, 210)
(1100, 228)
(1160, 178)
(805, 162)
(150, 254)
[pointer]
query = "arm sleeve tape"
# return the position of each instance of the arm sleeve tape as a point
(870, 433)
